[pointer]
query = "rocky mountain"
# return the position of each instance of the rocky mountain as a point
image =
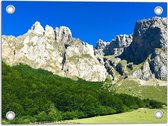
(54, 50)
(141, 55)
(149, 46)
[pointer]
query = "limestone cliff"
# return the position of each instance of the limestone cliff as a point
(54, 50)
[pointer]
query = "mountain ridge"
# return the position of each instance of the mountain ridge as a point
(57, 51)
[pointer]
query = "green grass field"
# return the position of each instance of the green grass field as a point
(141, 115)
(131, 87)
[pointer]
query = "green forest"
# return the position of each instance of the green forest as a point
(36, 95)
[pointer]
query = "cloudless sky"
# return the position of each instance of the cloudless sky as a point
(88, 21)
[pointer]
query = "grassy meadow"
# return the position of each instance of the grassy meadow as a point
(142, 115)
(154, 92)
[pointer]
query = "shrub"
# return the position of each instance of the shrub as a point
(72, 115)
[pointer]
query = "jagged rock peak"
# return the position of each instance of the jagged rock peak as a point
(122, 41)
(156, 26)
(37, 28)
(63, 34)
(49, 31)
(64, 29)
(101, 44)
(116, 46)
(143, 25)
(153, 21)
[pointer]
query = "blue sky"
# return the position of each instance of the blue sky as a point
(87, 21)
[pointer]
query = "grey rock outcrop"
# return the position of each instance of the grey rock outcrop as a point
(147, 46)
(143, 73)
(63, 34)
(101, 47)
(118, 44)
(81, 62)
(137, 74)
(148, 35)
(101, 44)
(54, 50)
(49, 31)
(158, 64)
(149, 42)
(115, 47)
(146, 72)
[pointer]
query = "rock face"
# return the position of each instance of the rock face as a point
(118, 44)
(150, 42)
(146, 46)
(115, 47)
(54, 50)
(143, 73)
(148, 35)
(100, 47)
(141, 55)
(158, 64)
(81, 62)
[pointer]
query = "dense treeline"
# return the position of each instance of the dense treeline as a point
(36, 95)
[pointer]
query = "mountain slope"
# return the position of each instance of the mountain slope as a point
(36, 95)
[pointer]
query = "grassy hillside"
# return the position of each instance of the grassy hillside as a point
(133, 88)
(136, 116)
(36, 95)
